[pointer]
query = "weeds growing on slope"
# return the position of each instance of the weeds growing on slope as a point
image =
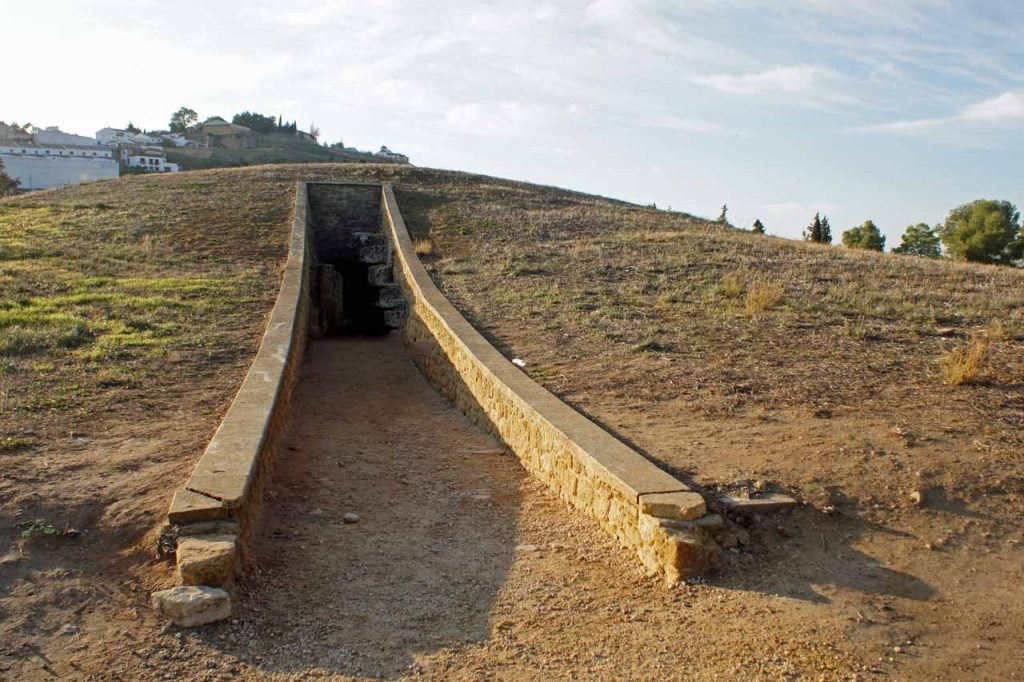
(761, 297)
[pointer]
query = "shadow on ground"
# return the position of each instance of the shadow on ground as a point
(799, 553)
(437, 501)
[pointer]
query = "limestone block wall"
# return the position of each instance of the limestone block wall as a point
(645, 508)
(339, 211)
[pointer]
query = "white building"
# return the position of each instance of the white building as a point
(115, 136)
(389, 155)
(40, 166)
(149, 158)
(149, 162)
(53, 135)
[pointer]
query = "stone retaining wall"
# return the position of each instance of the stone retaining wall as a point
(216, 510)
(646, 509)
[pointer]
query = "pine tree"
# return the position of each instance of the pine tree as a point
(866, 236)
(826, 231)
(983, 231)
(813, 231)
(758, 227)
(920, 240)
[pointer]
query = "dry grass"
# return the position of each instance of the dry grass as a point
(733, 285)
(424, 248)
(761, 297)
(963, 365)
(551, 274)
(966, 364)
(590, 277)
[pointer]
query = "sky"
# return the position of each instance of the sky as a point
(889, 110)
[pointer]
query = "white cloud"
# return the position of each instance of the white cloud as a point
(1008, 106)
(606, 11)
(682, 124)
(1005, 108)
(786, 79)
(495, 119)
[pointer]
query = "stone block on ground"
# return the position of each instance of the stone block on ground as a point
(207, 528)
(192, 605)
(206, 559)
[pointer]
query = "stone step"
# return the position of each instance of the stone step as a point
(394, 317)
(390, 297)
(376, 253)
(369, 238)
(379, 275)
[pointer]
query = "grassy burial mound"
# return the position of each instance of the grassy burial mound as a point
(886, 391)
(735, 356)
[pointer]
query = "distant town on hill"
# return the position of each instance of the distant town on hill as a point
(35, 158)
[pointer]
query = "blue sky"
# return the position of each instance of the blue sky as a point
(894, 110)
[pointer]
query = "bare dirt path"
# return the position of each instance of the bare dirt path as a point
(437, 502)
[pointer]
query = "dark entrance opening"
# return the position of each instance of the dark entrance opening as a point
(352, 289)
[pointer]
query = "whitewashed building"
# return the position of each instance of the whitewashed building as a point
(149, 160)
(115, 136)
(54, 135)
(389, 155)
(41, 166)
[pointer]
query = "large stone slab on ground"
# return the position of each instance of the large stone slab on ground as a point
(759, 505)
(678, 505)
(192, 605)
(207, 559)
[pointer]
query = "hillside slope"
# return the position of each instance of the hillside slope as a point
(272, 148)
(129, 310)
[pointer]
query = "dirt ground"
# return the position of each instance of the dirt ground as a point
(460, 567)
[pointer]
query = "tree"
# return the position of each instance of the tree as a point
(314, 131)
(826, 230)
(866, 236)
(131, 128)
(721, 216)
(813, 231)
(758, 227)
(7, 184)
(258, 123)
(919, 240)
(182, 120)
(983, 231)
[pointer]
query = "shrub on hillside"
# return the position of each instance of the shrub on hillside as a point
(919, 240)
(866, 236)
(983, 231)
